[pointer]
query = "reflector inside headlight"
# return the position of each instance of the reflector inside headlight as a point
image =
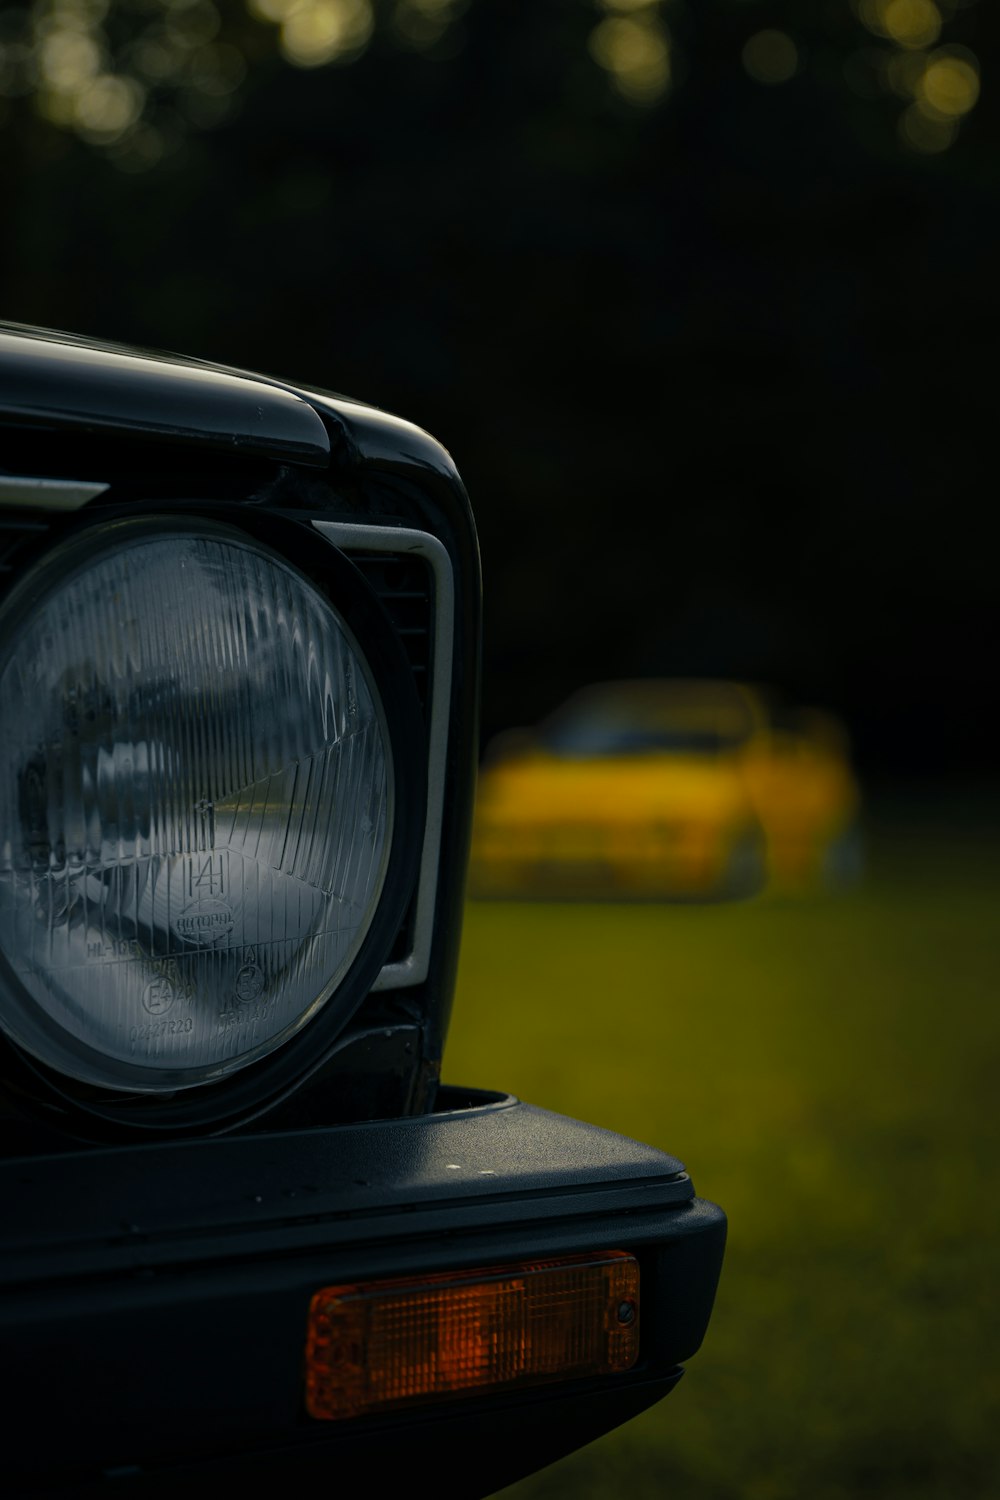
(195, 807)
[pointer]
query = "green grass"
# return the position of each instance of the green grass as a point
(829, 1070)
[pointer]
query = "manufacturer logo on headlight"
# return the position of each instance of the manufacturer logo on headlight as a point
(204, 921)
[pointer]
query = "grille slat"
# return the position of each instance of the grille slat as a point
(403, 585)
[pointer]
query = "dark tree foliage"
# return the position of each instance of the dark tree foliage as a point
(709, 342)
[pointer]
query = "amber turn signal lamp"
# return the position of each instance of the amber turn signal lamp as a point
(373, 1346)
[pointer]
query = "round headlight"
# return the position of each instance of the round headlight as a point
(196, 806)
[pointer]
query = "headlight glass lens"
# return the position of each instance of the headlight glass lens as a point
(196, 804)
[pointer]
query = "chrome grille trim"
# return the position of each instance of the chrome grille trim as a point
(48, 494)
(348, 537)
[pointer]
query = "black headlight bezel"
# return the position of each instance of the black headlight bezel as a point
(228, 1102)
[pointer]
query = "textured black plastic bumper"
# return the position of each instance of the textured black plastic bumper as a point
(154, 1298)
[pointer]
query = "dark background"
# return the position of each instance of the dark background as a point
(716, 364)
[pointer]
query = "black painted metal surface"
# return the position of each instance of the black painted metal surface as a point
(56, 383)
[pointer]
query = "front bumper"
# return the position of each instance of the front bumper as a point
(153, 1299)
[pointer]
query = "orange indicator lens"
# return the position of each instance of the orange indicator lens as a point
(372, 1346)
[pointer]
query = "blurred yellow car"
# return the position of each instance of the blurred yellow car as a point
(664, 789)
(798, 773)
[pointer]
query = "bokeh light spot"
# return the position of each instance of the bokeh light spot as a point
(636, 53)
(771, 57)
(108, 106)
(911, 23)
(315, 32)
(68, 59)
(949, 87)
